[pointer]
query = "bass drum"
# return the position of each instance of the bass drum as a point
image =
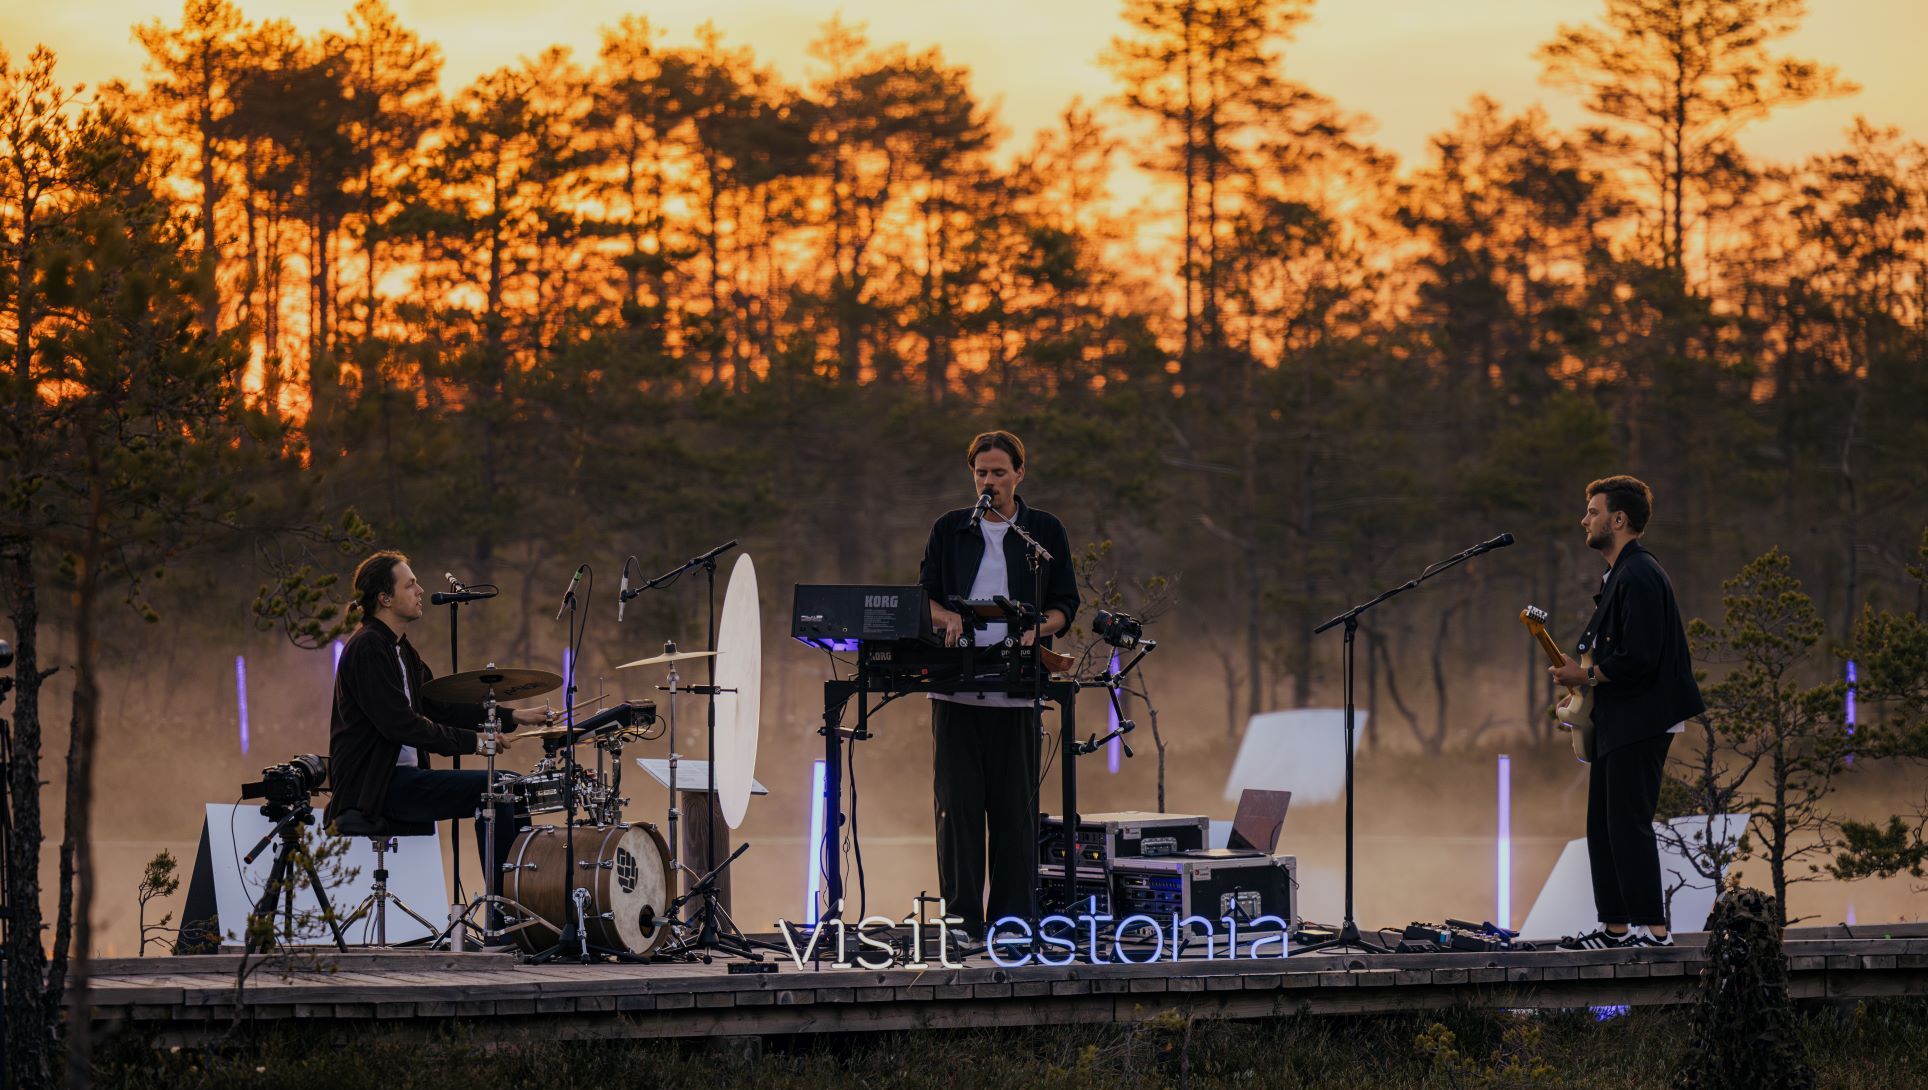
(627, 872)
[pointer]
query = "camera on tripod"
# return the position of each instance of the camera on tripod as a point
(1120, 630)
(289, 784)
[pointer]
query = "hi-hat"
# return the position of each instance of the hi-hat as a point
(475, 686)
(667, 657)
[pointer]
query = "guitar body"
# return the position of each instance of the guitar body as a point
(1574, 712)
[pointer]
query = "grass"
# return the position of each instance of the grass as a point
(1854, 1047)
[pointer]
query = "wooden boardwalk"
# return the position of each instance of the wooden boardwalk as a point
(186, 1000)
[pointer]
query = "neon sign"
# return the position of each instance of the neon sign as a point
(1014, 942)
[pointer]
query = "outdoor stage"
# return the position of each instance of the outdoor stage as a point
(189, 1000)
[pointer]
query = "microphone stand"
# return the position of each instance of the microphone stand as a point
(455, 824)
(572, 938)
(1037, 556)
(1349, 935)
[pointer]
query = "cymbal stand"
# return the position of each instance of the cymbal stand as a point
(493, 792)
(675, 812)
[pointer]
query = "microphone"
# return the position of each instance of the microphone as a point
(570, 594)
(983, 505)
(623, 598)
(447, 597)
(453, 581)
(1499, 542)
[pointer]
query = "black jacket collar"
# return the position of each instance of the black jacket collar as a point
(1632, 547)
(384, 633)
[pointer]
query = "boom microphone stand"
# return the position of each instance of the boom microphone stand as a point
(572, 937)
(1349, 929)
(715, 930)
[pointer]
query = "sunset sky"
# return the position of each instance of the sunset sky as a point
(1409, 64)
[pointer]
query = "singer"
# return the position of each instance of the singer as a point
(986, 744)
(382, 728)
(1644, 693)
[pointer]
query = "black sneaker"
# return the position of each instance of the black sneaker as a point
(1640, 937)
(1597, 940)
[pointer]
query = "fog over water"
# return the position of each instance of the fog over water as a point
(170, 743)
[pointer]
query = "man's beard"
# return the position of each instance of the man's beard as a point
(1599, 541)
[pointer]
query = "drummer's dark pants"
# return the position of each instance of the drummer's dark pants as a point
(419, 795)
(986, 782)
(1623, 791)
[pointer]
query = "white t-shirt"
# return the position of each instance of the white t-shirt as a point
(406, 757)
(993, 578)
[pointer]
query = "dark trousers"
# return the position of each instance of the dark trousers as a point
(986, 780)
(438, 794)
(1623, 790)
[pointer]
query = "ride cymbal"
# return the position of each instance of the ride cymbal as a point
(475, 686)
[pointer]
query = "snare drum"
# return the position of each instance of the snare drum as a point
(541, 792)
(626, 868)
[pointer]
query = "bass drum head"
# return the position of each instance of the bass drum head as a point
(639, 886)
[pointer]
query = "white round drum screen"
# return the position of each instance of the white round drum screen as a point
(739, 666)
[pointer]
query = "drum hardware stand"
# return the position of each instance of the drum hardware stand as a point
(281, 885)
(493, 792)
(714, 928)
(1349, 935)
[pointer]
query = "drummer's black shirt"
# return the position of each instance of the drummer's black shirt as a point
(376, 713)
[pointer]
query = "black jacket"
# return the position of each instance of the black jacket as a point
(1639, 642)
(374, 718)
(952, 556)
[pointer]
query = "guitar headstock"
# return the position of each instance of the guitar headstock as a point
(1535, 618)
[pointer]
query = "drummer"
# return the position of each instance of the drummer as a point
(382, 727)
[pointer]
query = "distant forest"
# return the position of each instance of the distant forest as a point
(644, 301)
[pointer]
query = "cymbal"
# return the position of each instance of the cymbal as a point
(553, 730)
(673, 656)
(474, 686)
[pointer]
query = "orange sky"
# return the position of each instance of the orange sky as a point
(1407, 63)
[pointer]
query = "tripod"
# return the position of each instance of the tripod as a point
(281, 884)
(1349, 935)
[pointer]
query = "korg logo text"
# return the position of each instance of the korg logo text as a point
(880, 601)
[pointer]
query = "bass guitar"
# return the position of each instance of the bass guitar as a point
(1574, 712)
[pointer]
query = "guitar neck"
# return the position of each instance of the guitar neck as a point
(1552, 649)
(1553, 653)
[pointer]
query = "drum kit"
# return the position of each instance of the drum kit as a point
(596, 886)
